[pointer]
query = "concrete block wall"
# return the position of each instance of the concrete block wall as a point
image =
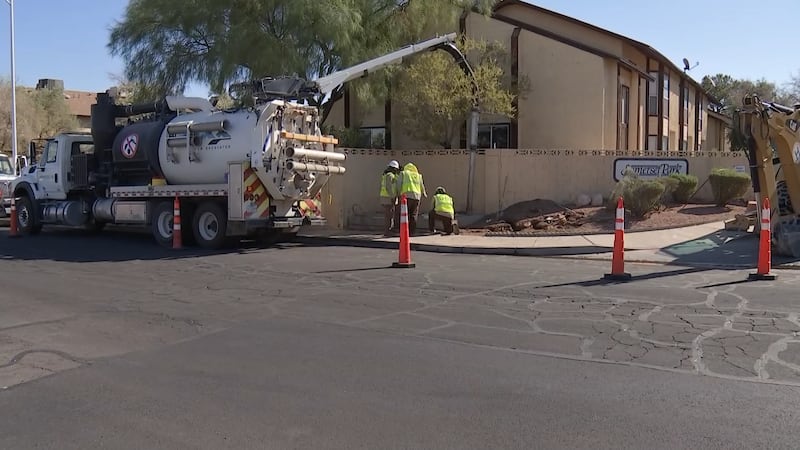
(502, 176)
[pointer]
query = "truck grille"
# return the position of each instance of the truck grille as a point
(80, 170)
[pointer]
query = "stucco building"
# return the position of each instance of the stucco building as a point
(589, 88)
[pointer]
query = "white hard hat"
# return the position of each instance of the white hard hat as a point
(394, 164)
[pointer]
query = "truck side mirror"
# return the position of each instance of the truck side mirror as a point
(32, 153)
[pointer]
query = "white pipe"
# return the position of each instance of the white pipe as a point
(13, 94)
(178, 127)
(292, 152)
(311, 167)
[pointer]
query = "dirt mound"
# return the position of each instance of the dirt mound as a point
(539, 214)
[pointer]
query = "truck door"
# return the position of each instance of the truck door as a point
(51, 173)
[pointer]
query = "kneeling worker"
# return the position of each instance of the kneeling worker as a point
(441, 209)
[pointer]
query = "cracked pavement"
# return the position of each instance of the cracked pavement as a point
(65, 305)
(112, 342)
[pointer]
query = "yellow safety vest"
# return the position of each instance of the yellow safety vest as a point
(388, 185)
(412, 182)
(443, 204)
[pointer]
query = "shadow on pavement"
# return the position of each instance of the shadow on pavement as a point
(443, 248)
(362, 269)
(643, 277)
(69, 245)
(725, 248)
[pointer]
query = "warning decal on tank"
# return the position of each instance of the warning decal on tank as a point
(255, 200)
(129, 146)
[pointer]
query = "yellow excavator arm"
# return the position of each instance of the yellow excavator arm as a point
(765, 126)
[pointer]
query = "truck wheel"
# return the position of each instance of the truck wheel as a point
(162, 222)
(26, 217)
(210, 225)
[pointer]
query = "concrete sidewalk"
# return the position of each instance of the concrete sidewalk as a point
(707, 245)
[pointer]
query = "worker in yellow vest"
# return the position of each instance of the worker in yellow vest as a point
(388, 195)
(411, 185)
(441, 209)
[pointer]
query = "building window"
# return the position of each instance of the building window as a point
(666, 94)
(686, 105)
(372, 137)
(652, 95)
(700, 112)
(652, 142)
(624, 116)
(665, 143)
(494, 135)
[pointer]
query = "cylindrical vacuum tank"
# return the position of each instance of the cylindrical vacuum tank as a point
(198, 127)
(236, 144)
(318, 155)
(311, 167)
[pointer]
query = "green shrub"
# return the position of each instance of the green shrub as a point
(727, 184)
(639, 196)
(686, 187)
(670, 186)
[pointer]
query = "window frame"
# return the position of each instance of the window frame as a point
(493, 128)
(652, 94)
(372, 137)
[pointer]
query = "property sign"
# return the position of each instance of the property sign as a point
(650, 168)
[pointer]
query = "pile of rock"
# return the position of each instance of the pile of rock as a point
(538, 214)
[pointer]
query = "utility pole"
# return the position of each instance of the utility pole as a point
(13, 93)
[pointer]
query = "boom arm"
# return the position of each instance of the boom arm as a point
(329, 83)
(296, 88)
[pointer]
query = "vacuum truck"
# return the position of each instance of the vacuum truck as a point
(234, 173)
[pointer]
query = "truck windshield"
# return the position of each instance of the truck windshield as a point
(5, 167)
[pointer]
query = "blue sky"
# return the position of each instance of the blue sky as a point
(66, 39)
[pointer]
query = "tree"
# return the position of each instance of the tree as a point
(52, 112)
(166, 45)
(435, 97)
(792, 90)
(41, 113)
(27, 119)
(730, 91)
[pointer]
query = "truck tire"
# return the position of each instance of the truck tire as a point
(210, 225)
(162, 223)
(27, 222)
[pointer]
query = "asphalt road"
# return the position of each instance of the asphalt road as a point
(111, 342)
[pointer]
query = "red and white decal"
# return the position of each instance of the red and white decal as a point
(129, 146)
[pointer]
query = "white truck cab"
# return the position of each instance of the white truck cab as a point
(51, 179)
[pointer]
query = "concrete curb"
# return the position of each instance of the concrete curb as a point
(602, 253)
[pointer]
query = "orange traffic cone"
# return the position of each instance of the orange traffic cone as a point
(618, 258)
(764, 246)
(177, 238)
(13, 226)
(404, 261)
